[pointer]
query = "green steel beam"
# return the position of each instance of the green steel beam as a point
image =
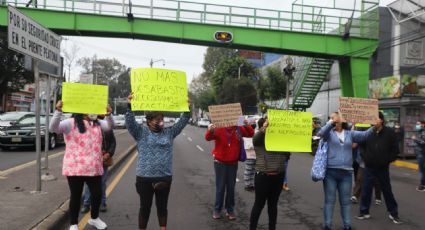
(354, 75)
(287, 42)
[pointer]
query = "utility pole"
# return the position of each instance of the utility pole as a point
(287, 71)
(152, 61)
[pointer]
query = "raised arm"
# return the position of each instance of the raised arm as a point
(247, 131)
(210, 134)
(132, 126)
(326, 130)
(58, 126)
(361, 136)
(108, 123)
(179, 126)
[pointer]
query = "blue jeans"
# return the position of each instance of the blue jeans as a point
(285, 178)
(86, 197)
(225, 181)
(383, 176)
(421, 164)
(337, 180)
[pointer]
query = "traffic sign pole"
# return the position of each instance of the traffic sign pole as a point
(37, 125)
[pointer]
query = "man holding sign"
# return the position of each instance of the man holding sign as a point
(228, 145)
(155, 90)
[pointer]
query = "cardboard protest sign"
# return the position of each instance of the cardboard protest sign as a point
(289, 131)
(225, 115)
(84, 98)
(159, 90)
(358, 110)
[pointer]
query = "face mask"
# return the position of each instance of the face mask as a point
(158, 127)
(418, 127)
(92, 117)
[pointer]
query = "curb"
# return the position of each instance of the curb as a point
(60, 215)
(405, 164)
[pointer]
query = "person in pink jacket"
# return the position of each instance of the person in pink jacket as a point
(83, 160)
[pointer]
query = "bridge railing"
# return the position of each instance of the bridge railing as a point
(308, 19)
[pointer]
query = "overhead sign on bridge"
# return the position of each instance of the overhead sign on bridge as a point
(28, 37)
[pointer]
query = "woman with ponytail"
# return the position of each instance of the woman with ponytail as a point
(83, 159)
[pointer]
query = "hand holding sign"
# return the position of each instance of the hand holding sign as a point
(59, 105)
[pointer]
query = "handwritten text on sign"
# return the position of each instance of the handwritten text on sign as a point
(159, 90)
(225, 115)
(28, 37)
(289, 131)
(358, 110)
(84, 98)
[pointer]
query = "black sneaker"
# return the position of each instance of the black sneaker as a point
(395, 219)
(420, 188)
(363, 217)
(103, 208)
(85, 209)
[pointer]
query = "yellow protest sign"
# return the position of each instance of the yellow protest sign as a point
(84, 98)
(159, 90)
(289, 131)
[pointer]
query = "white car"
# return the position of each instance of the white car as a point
(119, 121)
(203, 122)
(139, 119)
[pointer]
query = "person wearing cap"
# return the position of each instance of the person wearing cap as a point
(154, 163)
(381, 149)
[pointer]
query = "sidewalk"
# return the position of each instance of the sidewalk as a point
(22, 209)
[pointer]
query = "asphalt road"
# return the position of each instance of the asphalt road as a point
(192, 196)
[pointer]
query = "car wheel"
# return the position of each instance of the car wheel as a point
(52, 141)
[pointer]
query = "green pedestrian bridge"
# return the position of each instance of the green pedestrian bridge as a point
(319, 33)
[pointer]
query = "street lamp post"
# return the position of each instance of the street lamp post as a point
(288, 70)
(239, 71)
(152, 61)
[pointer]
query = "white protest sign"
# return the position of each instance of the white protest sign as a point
(30, 38)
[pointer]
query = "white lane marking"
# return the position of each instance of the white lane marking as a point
(199, 147)
(184, 134)
(2, 178)
(237, 179)
(190, 139)
(26, 165)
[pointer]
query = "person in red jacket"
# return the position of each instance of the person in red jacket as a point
(226, 155)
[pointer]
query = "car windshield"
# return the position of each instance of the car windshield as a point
(31, 120)
(204, 119)
(118, 118)
(11, 116)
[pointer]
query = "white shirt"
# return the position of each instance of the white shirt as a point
(341, 136)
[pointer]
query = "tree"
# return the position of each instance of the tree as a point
(214, 56)
(70, 57)
(238, 90)
(104, 70)
(13, 75)
(120, 87)
(273, 85)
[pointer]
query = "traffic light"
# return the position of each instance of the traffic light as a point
(223, 37)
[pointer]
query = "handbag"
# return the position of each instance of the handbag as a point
(318, 171)
(242, 151)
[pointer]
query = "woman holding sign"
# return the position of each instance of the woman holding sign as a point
(83, 160)
(226, 154)
(154, 163)
(339, 171)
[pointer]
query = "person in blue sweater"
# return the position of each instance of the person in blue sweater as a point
(154, 163)
(339, 172)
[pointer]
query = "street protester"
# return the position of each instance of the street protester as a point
(249, 172)
(339, 171)
(226, 154)
(270, 171)
(108, 149)
(285, 185)
(154, 163)
(381, 149)
(83, 160)
(419, 140)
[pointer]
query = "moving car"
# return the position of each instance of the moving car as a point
(10, 117)
(203, 122)
(22, 134)
(119, 121)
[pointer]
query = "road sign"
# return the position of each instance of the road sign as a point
(30, 38)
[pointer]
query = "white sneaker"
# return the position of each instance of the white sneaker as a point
(73, 227)
(97, 223)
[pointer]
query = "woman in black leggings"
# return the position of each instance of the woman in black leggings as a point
(270, 170)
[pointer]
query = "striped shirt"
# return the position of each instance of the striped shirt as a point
(268, 161)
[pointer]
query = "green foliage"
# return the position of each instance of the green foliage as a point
(238, 90)
(104, 69)
(205, 99)
(214, 56)
(13, 75)
(273, 85)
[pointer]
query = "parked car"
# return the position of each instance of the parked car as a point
(10, 117)
(22, 134)
(139, 119)
(119, 122)
(203, 122)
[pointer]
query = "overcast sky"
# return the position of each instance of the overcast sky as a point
(188, 58)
